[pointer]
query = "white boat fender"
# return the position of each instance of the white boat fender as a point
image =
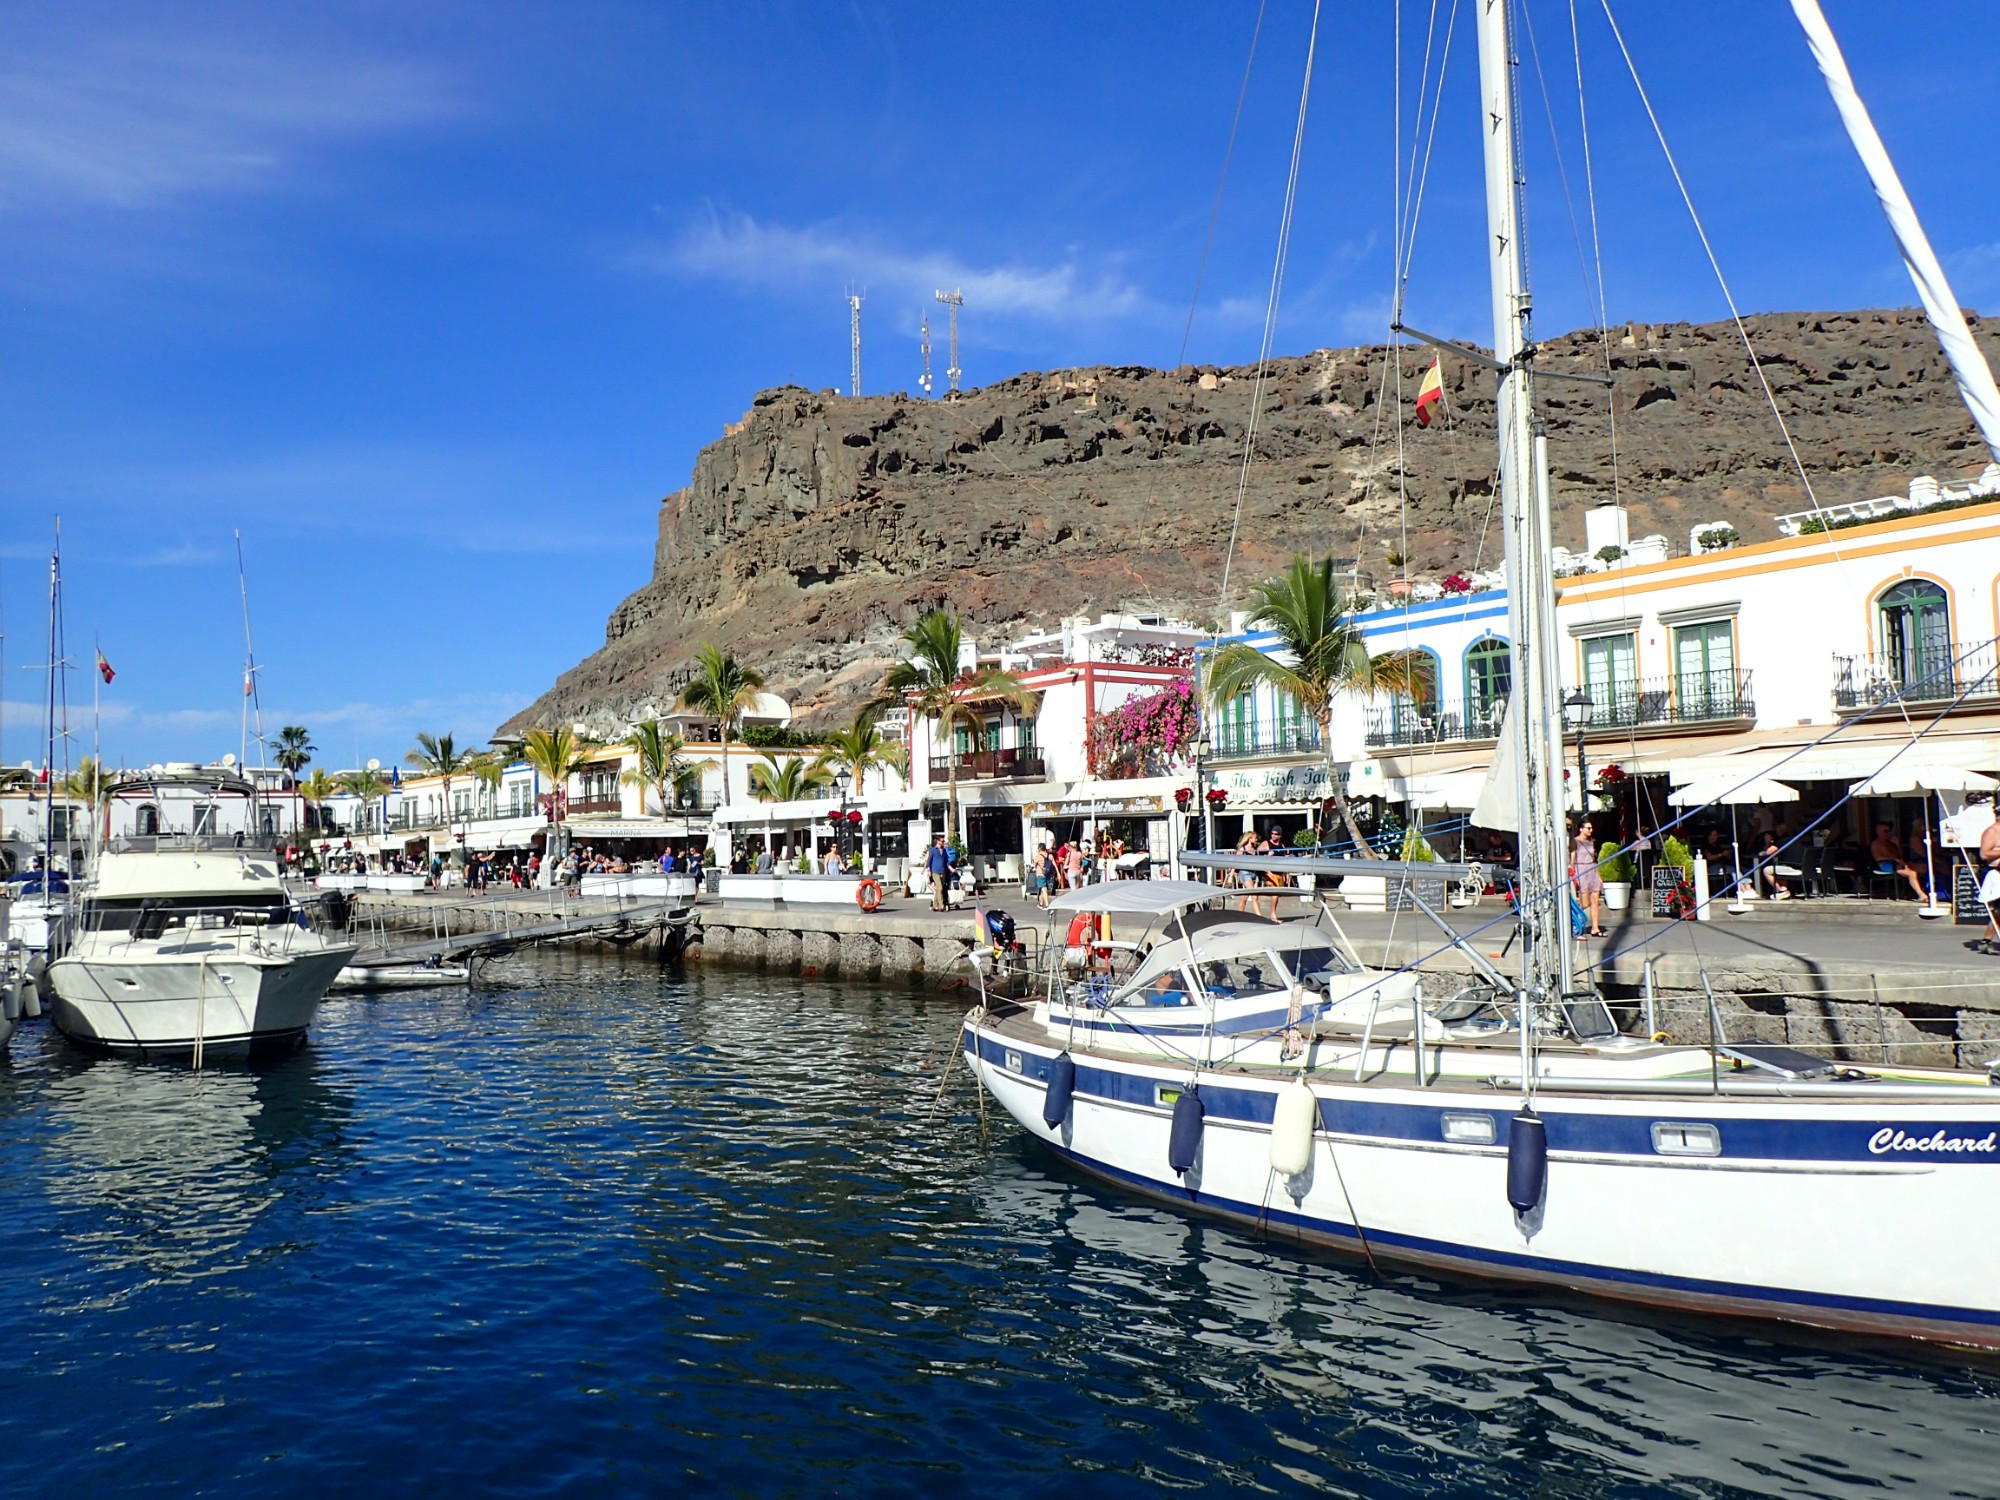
(31, 995)
(1527, 1161)
(10, 998)
(1184, 1139)
(1293, 1123)
(1062, 1083)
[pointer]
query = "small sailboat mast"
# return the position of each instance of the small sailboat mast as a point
(1535, 706)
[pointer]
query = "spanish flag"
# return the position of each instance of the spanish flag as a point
(1430, 393)
(104, 668)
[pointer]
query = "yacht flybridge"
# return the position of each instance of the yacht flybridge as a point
(1500, 1127)
(187, 940)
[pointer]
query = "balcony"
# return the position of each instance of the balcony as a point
(973, 765)
(1259, 741)
(1690, 699)
(1934, 676)
(1405, 724)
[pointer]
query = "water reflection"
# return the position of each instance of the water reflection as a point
(158, 1173)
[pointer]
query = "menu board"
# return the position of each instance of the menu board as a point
(1966, 908)
(1405, 891)
(1666, 879)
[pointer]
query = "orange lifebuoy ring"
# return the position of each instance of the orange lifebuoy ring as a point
(868, 895)
(1082, 928)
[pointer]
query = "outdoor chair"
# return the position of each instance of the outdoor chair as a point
(1884, 881)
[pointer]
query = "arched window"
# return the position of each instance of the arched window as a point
(1489, 678)
(1415, 715)
(1913, 621)
(147, 824)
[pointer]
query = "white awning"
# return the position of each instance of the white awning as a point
(1838, 758)
(582, 830)
(809, 810)
(1151, 897)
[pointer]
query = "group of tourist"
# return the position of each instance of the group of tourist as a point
(1074, 862)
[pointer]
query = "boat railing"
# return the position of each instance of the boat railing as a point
(191, 843)
(172, 924)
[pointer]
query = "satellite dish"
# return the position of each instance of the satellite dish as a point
(229, 760)
(374, 764)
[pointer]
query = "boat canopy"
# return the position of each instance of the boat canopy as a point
(1156, 898)
(1227, 940)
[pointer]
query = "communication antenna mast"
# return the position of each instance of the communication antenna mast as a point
(924, 383)
(953, 300)
(854, 335)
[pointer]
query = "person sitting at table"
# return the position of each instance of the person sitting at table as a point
(1887, 853)
(1765, 872)
(1721, 861)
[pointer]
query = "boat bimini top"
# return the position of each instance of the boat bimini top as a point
(1153, 898)
(1301, 948)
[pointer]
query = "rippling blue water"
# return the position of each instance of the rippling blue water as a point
(602, 1230)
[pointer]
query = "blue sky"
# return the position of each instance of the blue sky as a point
(433, 302)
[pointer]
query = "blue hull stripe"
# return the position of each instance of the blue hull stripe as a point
(1966, 1323)
(1742, 1138)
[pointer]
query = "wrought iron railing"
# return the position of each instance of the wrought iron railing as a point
(1938, 673)
(1687, 698)
(1250, 741)
(1434, 723)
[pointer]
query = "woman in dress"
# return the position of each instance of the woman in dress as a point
(1588, 883)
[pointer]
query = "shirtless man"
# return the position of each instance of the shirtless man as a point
(1887, 854)
(1989, 885)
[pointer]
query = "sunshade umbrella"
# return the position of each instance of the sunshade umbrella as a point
(1909, 774)
(1732, 795)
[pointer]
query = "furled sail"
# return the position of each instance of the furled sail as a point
(1968, 364)
(1498, 805)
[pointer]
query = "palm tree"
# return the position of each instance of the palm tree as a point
(366, 786)
(722, 687)
(489, 769)
(316, 791)
(1324, 656)
(556, 755)
(295, 750)
(661, 767)
(934, 687)
(437, 755)
(859, 748)
(792, 780)
(87, 783)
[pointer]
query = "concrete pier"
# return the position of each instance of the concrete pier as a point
(1868, 982)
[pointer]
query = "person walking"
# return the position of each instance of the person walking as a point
(1589, 885)
(938, 862)
(1072, 864)
(1989, 886)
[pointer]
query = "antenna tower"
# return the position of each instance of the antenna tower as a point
(854, 336)
(924, 383)
(953, 301)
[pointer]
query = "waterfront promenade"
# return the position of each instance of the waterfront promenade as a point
(1869, 978)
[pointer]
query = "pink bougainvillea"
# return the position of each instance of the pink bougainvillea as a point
(1144, 736)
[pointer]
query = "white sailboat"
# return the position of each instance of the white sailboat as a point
(186, 940)
(1507, 1130)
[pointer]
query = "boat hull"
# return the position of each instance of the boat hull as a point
(146, 1004)
(1798, 1218)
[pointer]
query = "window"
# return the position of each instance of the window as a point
(1611, 678)
(1914, 621)
(1705, 670)
(1237, 724)
(1415, 715)
(148, 820)
(1024, 735)
(204, 818)
(1489, 678)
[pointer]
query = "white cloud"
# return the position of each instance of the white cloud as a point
(728, 246)
(93, 118)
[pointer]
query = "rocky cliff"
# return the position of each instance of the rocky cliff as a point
(815, 528)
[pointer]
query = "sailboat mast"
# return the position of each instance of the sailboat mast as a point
(1537, 692)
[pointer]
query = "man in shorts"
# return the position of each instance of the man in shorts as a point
(1989, 884)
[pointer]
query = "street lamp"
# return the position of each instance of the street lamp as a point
(1202, 750)
(1576, 714)
(840, 784)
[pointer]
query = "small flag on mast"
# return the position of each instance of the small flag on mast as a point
(104, 668)
(246, 684)
(1430, 393)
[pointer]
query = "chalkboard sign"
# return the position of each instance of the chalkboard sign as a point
(1666, 880)
(1966, 910)
(1405, 891)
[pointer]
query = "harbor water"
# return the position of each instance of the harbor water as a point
(594, 1228)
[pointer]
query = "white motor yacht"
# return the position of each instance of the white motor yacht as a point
(187, 939)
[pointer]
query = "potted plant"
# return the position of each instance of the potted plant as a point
(1614, 866)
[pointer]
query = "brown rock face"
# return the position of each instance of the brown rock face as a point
(820, 525)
